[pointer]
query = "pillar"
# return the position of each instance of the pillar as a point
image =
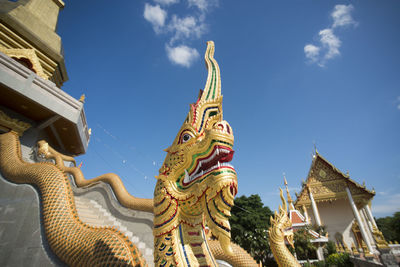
(314, 207)
(320, 253)
(369, 214)
(305, 214)
(358, 218)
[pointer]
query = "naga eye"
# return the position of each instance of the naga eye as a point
(186, 137)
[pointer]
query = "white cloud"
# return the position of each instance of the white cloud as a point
(182, 55)
(328, 43)
(156, 16)
(166, 2)
(180, 29)
(203, 5)
(341, 16)
(312, 52)
(185, 28)
(331, 42)
(398, 102)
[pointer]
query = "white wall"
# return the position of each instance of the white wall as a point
(336, 216)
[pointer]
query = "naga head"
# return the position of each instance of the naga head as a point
(281, 225)
(196, 175)
(43, 149)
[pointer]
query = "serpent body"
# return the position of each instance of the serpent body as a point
(74, 242)
(123, 196)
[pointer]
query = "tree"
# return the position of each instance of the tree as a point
(249, 227)
(390, 227)
(304, 248)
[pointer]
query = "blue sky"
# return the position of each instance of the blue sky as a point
(294, 73)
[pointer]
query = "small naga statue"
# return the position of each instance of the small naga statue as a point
(280, 232)
(196, 184)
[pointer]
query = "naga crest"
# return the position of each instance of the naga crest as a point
(281, 226)
(196, 184)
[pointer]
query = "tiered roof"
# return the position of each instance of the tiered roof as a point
(327, 183)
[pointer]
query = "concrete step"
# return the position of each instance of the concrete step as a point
(94, 214)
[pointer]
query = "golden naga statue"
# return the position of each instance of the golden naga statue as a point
(196, 184)
(279, 232)
(195, 188)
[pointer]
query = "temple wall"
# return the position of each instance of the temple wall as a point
(22, 238)
(338, 217)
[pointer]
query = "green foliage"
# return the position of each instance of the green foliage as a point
(339, 260)
(390, 227)
(304, 248)
(319, 264)
(329, 249)
(250, 221)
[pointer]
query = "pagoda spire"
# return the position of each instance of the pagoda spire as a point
(289, 198)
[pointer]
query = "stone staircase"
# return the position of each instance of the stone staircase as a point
(92, 213)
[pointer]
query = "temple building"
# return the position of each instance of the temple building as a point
(330, 199)
(32, 71)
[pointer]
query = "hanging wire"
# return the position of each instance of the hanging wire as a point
(127, 181)
(122, 158)
(118, 154)
(126, 144)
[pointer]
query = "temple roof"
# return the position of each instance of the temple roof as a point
(328, 183)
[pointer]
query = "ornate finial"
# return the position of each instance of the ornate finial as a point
(290, 201)
(82, 98)
(90, 131)
(315, 148)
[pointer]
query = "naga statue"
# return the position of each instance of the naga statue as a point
(195, 189)
(280, 232)
(196, 184)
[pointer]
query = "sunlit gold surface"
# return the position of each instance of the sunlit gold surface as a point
(74, 242)
(183, 201)
(112, 179)
(279, 231)
(7, 123)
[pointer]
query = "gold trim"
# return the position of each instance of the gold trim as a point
(29, 54)
(8, 123)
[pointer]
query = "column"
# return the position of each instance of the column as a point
(368, 219)
(305, 214)
(314, 207)
(358, 218)
(320, 253)
(368, 226)
(369, 213)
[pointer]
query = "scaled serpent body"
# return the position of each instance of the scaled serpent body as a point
(74, 242)
(123, 196)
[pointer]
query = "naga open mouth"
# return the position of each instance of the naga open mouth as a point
(218, 159)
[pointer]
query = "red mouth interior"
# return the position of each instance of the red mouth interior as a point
(225, 155)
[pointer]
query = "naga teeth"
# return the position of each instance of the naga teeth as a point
(219, 164)
(186, 175)
(217, 151)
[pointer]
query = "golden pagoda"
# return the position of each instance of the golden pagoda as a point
(32, 71)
